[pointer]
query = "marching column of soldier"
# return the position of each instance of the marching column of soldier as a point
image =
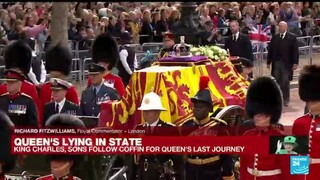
(58, 105)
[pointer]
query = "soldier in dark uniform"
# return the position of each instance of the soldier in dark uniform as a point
(168, 41)
(213, 166)
(97, 92)
(19, 106)
(157, 166)
(62, 165)
(7, 160)
(59, 104)
(18, 57)
(58, 64)
(244, 66)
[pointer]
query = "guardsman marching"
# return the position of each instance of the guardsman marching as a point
(168, 49)
(59, 104)
(309, 124)
(18, 57)
(7, 160)
(19, 106)
(97, 92)
(157, 167)
(61, 164)
(264, 106)
(58, 64)
(105, 52)
(211, 166)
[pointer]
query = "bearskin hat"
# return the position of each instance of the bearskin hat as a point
(309, 83)
(6, 158)
(204, 94)
(64, 121)
(105, 49)
(58, 58)
(18, 55)
(264, 96)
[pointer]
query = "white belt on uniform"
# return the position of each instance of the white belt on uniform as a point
(259, 173)
(314, 160)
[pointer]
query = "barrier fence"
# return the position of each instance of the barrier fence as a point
(308, 46)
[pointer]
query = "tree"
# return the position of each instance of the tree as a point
(59, 23)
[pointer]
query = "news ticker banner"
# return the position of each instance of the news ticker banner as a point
(93, 144)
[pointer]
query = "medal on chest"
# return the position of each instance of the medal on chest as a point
(17, 109)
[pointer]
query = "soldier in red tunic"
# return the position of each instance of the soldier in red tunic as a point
(264, 106)
(18, 57)
(7, 160)
(58, 65)
(105, 52)
(309, 124)
(61, 165)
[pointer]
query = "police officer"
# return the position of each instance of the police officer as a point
(97, 92)
(211, 166)
(128, 59)
(18, 57)
(58, 64)
(7, 160)
(157, 166)
(59, 104)
(19, 106)
(168, 41)
(61, 165)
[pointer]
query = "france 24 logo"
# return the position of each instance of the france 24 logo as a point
(299, 164)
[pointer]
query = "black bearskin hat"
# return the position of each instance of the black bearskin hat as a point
(204, 94)
(6, 158)
(18, 55)
(264, 96)
(309, 83)
(65, 121)
(58, 58)
(105, 49)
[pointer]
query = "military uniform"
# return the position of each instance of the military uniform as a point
(210, 166)
(19, 107)
(105, 50)
(18, 56)
(59, 59)
(63, 121)
(260, 101)
(92, 96)
(68, 107)
(309, 124)
(165, 52)
(158, 167)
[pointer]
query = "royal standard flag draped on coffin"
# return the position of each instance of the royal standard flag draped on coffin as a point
(175, 85)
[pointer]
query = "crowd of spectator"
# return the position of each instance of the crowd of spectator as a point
(147, 22)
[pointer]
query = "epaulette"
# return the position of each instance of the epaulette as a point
(4, 94)
(220, 121)
(185, 121)
(24, 94)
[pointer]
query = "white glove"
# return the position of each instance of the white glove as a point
(279, 146)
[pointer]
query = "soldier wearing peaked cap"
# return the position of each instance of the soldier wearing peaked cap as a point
(265, 108)
(7, 160)
(61, 165)
(98, 92)
(168, 40)
(211, 166)
(18, 57)
(309, 124)
(58, 64)
(59, 104)
(19, 106)
(105, 52)
(158, 167)
(244, 66)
